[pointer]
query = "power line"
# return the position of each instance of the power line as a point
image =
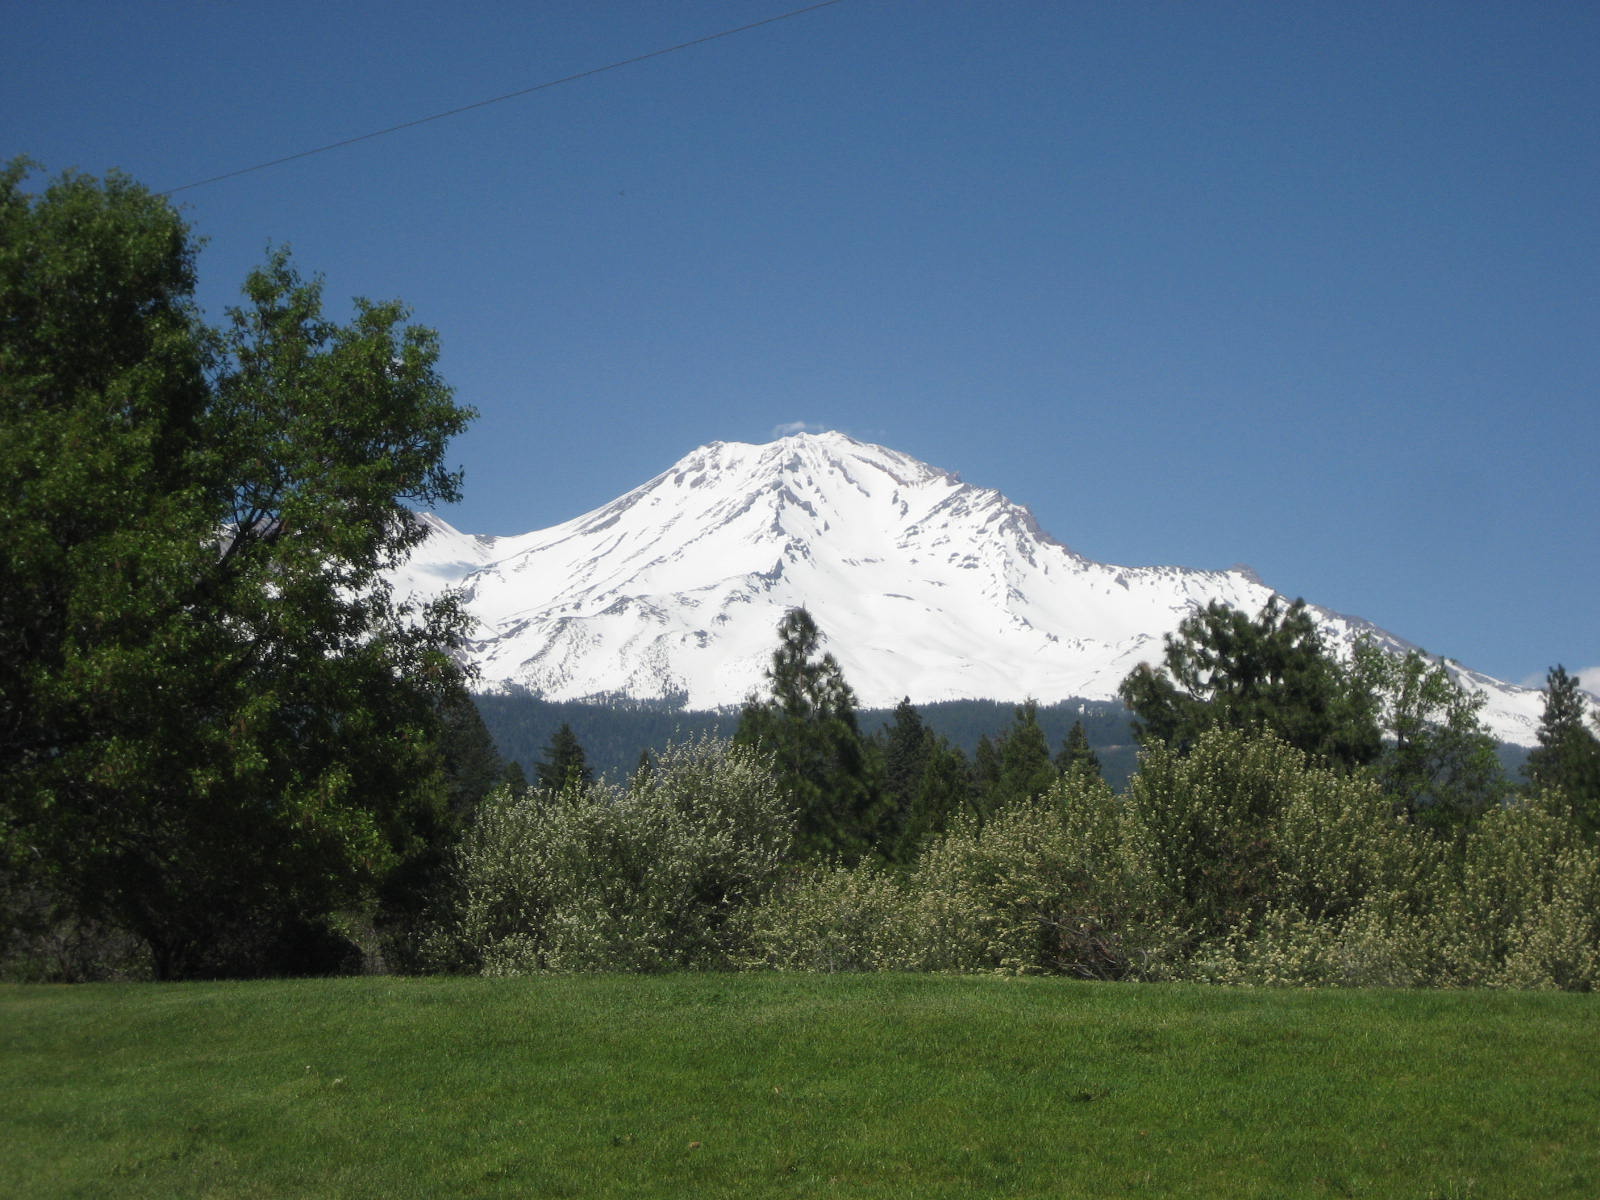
(538, 87)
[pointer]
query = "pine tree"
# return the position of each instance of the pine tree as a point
(1438, 761)
(564, 763)
(514, 777)
(987, 769)
(906, 743)
(472, 765)
(1271, 672)
(1077, 755)
(1567, 758)
(1026, 770)
(944, 793)
(809, 726)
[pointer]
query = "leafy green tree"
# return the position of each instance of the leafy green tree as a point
(1226, 669)
(1438, 760)
(1077, 755)
(564, 763)
(217, 724)
(809, 727)
(1567, 758)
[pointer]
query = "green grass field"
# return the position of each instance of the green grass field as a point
(774, 1085)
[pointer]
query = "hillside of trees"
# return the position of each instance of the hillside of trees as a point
(614, 735)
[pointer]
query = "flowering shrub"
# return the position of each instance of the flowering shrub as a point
(1523, 908)
(1046, 885)
(1236, 863)
(641, 878)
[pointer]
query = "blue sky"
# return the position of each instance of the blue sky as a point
(1313, 287)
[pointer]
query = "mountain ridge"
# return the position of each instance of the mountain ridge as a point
(926, 585)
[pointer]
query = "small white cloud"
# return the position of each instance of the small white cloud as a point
(1588, 679)
(790, 428)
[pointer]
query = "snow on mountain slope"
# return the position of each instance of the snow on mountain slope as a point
(924, 586)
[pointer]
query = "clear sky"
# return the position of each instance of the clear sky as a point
(1309, 286)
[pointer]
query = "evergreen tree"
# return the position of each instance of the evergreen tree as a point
(987, 769)
(809, 727)
(1567, 758)
(1026, 770)
(514, 777)
(1077, 755)
(564, 763)
(472, 766)
(944, 792)
(217, 724)
(906, 746)
(1272, 672)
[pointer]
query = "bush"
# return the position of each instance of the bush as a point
(1288, 873)
(834, 918)
(1523, 908)
(641, 878)
(1045, 885)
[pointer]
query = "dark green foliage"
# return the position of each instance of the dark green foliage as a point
(613, 732)
(809, 727)
(925, 783)
(1438, 762)
(986, 770)
(904, 748)
(1567, 758)
(216, 724)
(1014, 765)
(564, 763)
(415, 888)
(1026, 770)
(514, 777)
(1271, 672)
(472, 768)
(1077, 755)
(944, 792)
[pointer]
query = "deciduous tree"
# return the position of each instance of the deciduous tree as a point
(216, 721)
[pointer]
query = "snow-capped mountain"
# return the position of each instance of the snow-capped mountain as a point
(924, 586)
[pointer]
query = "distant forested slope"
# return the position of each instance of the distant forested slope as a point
(614, 735)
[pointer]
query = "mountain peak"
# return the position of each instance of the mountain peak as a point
(927, 587)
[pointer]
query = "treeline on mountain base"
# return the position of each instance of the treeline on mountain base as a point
(615, 732)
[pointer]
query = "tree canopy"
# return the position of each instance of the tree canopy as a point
(216, 721)
(1268, 672)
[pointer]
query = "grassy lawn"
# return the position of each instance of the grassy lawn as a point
(772, 1085)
